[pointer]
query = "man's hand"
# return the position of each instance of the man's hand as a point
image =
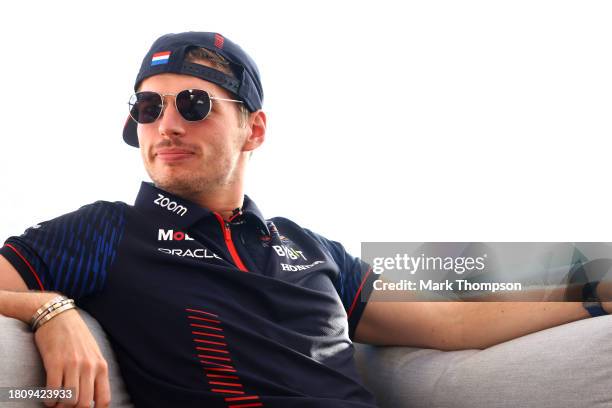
(604, 292)
(72, 359)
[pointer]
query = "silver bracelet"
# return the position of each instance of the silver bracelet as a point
(44, 308)
(67, 306)
(50, 310)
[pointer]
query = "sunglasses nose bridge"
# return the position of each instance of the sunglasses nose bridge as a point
(169, 124)
(165, 104)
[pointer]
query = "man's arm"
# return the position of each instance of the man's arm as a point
(70, 354)
(10, 278)
(460, 325)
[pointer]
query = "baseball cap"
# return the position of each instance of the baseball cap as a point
(168, 52)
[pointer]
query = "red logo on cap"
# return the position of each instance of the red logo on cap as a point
(218, 41)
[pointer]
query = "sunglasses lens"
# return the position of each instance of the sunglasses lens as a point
(193, 104)
(145, 107)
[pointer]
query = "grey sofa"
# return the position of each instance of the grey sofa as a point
(566, 366)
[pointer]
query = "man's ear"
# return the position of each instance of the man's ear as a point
(257, 131)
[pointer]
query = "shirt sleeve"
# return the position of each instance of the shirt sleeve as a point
(70, 254)
(354, 282)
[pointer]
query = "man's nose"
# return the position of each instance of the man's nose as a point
(170, 122)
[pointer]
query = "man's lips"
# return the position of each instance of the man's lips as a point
(173, 154)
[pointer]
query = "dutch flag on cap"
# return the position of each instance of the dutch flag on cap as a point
(160, 58)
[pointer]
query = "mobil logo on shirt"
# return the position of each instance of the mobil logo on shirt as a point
(172, 235)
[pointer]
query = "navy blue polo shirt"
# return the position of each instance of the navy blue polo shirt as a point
(201, 311)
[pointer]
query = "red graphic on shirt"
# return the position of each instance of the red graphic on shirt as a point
(211, 348)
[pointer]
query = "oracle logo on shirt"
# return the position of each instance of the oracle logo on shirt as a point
(201, 253)
(172, 235)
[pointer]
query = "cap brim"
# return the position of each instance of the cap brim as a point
(130, 136)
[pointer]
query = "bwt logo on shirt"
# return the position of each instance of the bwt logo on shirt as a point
(172, 206)
(172, 235)
(285, 251)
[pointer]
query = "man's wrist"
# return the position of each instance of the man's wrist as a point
(50, 310)
(591, 301)
(23, 305)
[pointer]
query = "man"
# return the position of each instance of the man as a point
(205, 301)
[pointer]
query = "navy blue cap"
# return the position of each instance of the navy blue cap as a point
(167, 54)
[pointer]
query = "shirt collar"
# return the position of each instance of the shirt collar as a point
(184, 213)
(251, 213)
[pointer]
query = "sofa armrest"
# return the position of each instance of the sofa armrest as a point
(22, 366)
(564, 366)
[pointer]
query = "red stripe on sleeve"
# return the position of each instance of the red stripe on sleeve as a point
(29, 266)
(358, 292)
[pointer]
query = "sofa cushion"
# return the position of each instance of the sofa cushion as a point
(565, 366)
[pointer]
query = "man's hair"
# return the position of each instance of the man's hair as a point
(219, 62)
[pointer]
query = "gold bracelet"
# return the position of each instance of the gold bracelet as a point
(44, 307)
(51, 308)
(54, 313)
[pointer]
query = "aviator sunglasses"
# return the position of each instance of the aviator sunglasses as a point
(192, 104)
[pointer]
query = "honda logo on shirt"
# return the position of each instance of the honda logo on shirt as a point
(172, 235)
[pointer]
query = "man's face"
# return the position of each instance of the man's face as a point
(192, 158)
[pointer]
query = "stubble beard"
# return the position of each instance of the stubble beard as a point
(191, 184)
